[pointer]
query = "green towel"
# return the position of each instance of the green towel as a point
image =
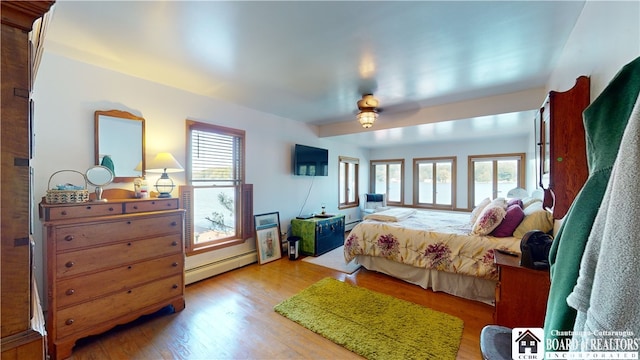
(604, 120)
(108, 163)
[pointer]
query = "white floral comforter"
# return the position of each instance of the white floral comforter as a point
(432, 240)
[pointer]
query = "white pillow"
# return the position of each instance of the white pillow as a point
(500, 201)
(478, 209)
(529, 200)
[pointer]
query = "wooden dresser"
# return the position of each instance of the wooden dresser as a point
(562, 154)
(521, 293)
(109, 263)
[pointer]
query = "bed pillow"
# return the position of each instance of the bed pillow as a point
(500, 201)
(512, 219)
(478, 210)
(529, 201)
(537, 220)
(488, 220)
(515, 202)
(537, 206)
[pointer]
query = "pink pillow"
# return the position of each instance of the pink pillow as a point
(488, 220)
(512, 219)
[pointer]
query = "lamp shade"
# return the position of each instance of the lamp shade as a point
(164, 163)
(367, 118)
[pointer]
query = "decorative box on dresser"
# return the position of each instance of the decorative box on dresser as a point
(22, 323)
(560, 138)
(108, 264)
(319, 234)
(521, 293)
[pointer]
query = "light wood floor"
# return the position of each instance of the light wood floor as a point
(230, 316)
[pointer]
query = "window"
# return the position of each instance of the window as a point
(348, 182)
(214, 192)
(387, 177)
(434, 182)
(493, 176)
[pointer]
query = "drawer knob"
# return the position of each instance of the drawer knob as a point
(175, 286)
(153, 203)
(64, 212)
(129, 222)
(173, 223)
(69, 321)
(129, 267)
(68, 237)
(129, 291)
(175, 264)
(110, 209)
(174, 243)
(70, 292)
(135, 207)
(128, 244)
(88, 207)
(69, 264)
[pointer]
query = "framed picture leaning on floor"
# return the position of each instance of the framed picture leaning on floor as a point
(268, 237)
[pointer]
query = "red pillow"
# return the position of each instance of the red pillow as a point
(512, 219)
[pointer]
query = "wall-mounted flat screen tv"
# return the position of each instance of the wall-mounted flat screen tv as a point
(310, 161)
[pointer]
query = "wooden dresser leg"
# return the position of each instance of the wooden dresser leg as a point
(178, 305)
(62, 350)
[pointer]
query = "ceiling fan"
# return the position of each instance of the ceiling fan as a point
(369, 110)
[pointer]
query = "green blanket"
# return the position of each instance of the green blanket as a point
(605, 120)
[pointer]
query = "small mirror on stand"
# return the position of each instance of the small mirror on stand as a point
(99, 176)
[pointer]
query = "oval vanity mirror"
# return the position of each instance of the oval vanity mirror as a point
(99, 176)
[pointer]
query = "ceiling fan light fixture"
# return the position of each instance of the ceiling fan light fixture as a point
(368, 110)
(367, 118)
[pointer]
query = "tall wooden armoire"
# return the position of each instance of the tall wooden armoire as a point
(22, 323)
(562, 157)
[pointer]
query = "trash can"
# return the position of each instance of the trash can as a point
(294, 243)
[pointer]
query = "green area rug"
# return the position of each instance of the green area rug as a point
(374, 325)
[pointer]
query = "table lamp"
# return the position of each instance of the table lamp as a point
(164, 163)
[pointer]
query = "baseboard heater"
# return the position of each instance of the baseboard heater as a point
(218, 267)
(348, 226)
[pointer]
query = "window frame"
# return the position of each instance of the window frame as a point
(347, 161)
(372, 178)
(521, 178)
(452, 160)
(237, 182)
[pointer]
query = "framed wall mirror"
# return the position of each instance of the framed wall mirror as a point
(119, 144)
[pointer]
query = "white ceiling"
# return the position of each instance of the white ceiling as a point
(310, 61)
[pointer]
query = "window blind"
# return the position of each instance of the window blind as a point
(215, 157)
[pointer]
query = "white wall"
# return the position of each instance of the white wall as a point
(461, 150)
(605, 38)
(67, 92)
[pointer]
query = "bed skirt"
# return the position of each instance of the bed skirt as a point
(464, 286)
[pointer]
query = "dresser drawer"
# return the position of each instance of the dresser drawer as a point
(77, 289)
(95, 234)
(110, 256)
(151, 205)
(106, 309)
(82, 211)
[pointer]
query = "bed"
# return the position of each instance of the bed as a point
(432, 249)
